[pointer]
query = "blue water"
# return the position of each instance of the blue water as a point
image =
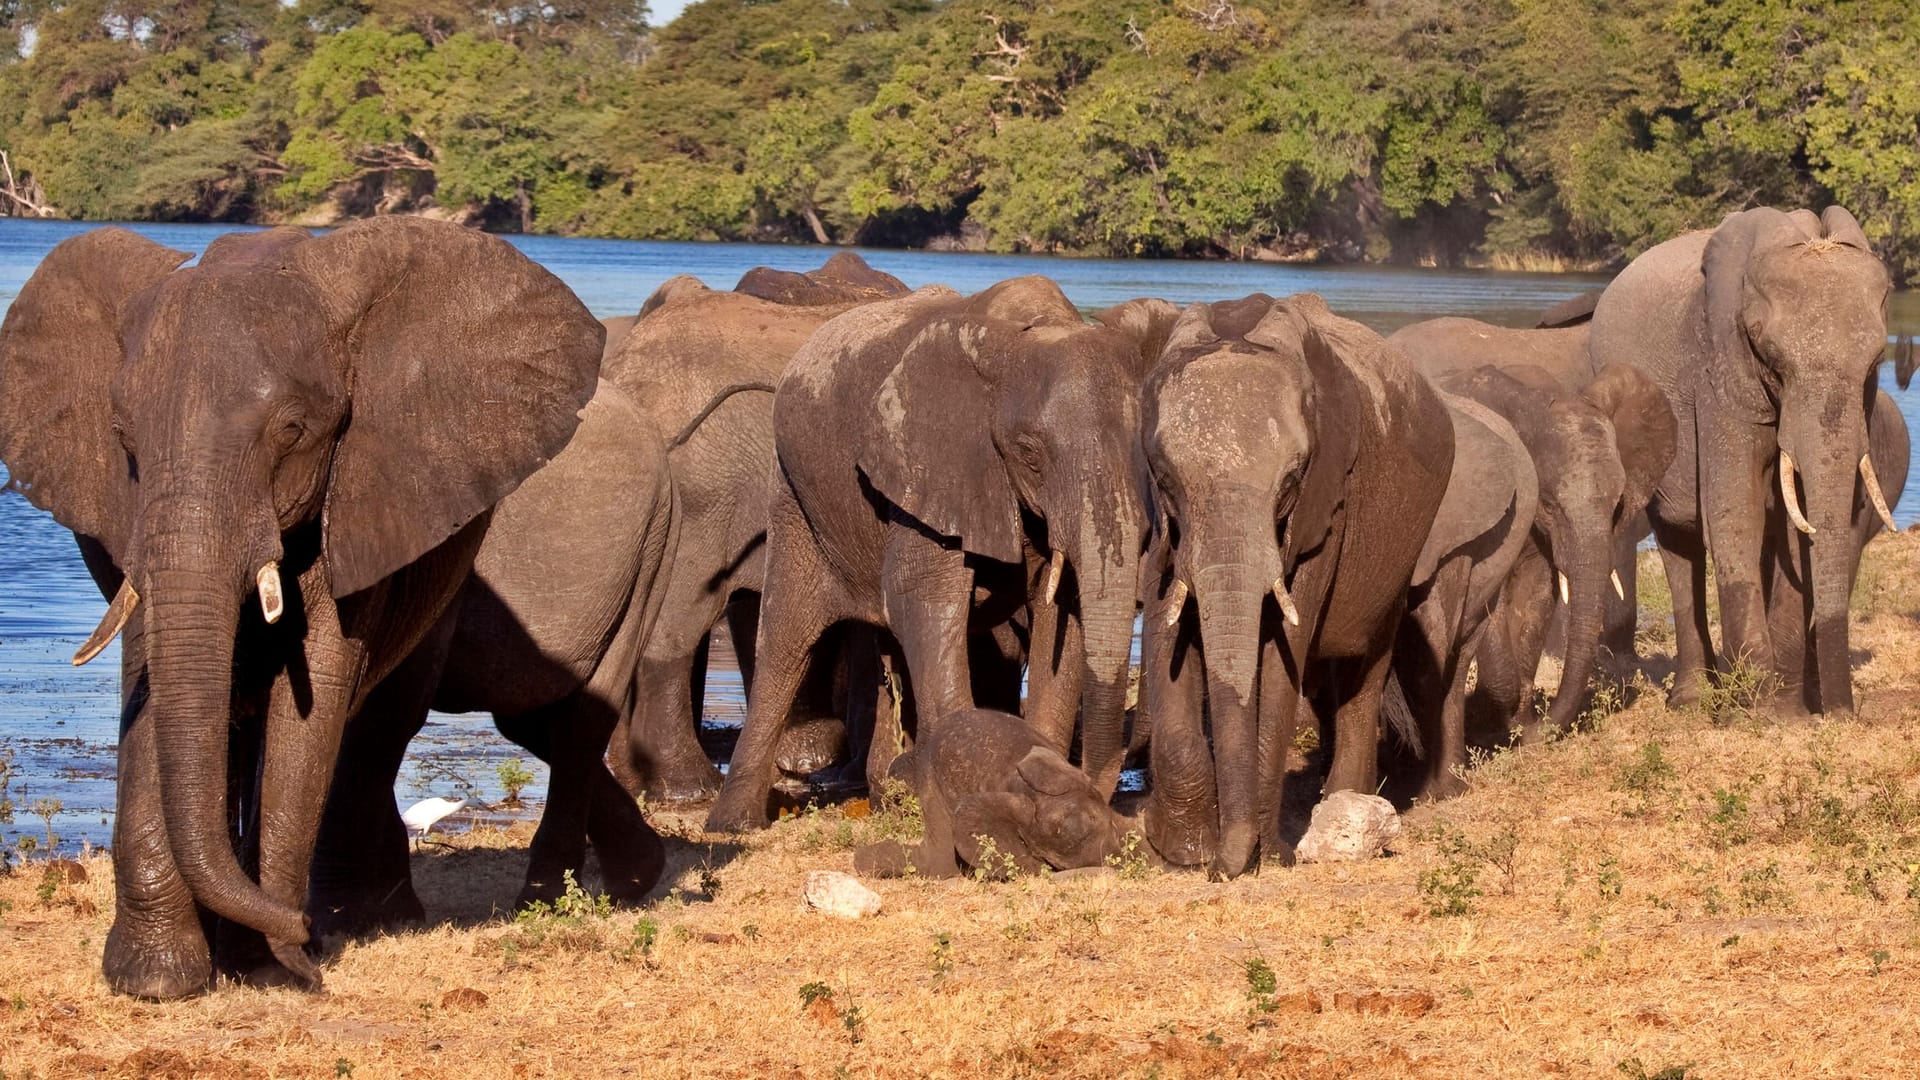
(59, 722)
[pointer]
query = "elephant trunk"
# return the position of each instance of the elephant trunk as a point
(1108, 570)
(1231, 590)
(1828, 463)
(195, 577)
(1587, 560)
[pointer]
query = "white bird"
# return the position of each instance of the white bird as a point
(421, 815)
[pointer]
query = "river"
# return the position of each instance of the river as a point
(59, 722)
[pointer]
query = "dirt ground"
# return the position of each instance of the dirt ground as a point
(1664, 894)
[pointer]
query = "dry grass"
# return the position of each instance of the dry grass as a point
(1661, 896)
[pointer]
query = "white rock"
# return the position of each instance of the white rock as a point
(1348, 827)
(840, 894)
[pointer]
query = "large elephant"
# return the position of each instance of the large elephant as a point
(1477, 535)
(930, 447)
(545, 636)
(1598, 452)
(323, 423)
(690, 346)
(1299, 463)
(1763, 334)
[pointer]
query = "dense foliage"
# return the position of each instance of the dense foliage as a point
(1503, 131)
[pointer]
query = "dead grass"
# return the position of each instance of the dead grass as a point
(1657, 893)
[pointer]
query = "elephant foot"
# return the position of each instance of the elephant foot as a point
(887, 858)
(157, 964)
(1448, 786)
(1684, 695)
(734, 812)
(633, 868)
(693, 783)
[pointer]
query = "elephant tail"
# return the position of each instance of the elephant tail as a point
(715, 402)
(1398, 714)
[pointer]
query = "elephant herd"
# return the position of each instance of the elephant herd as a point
(344, 479)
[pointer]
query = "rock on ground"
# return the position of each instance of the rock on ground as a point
(840, 894)
(1348, 826)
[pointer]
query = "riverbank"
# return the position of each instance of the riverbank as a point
(1699, 893)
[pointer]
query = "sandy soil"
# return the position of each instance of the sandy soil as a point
(1699, 893)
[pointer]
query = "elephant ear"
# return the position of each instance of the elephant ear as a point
(930, 446)
(1903, 362)
(1045, 772)
(1837, 224)
(1338, 408)
(676, 288)
(59, 350)
(1643, 426)
(1484, 446)
(468, 365)
(1147, 322)
(1733, 369)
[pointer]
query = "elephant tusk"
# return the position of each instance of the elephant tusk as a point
(1565, 596)
(1619, 590)
(1790, 493)
(272, 603)
(1878, 497)
(1176, 601)
(111, 623)
(1054, 568)
(1285, 600)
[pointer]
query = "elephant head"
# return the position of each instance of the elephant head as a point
(346, 402)
(1251, 430)
(1008, 421)
(1047, 811)
(843, 279)
(1599, 456)
(1796, 322)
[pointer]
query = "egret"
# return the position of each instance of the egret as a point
(420, 816)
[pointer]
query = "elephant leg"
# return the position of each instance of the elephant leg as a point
(796, 610)
(937, 857)
(1684, 559)
(157, 947)
(361, 878)
(1281, 699)
(658, 755)
(928, 591)
(998, 659)
(1182, 817)
(743, 630)
(1356, 743)
(859, 694)
(1424, 658)
(1056, 667)
(559, 843)
(1736, 465)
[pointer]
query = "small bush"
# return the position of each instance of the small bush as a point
(514, 777)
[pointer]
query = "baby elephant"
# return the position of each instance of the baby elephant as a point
(996, 797)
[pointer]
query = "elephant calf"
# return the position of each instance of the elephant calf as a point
(994, 794)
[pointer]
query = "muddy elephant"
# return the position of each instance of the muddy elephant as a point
(1598, 452)
(1763, 333)
(945, 461)
(283, 460)
(1452, 345)
(996, 796)
(1298, 462)
(690, 348)
(1477, 535)
(545, 636)
(845, 278)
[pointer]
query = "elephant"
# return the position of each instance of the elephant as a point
(845, 278)
(690, 346)
(545, 635)
(1456, 347)
(1299, 463)
(1478, 532)
(994, 795)
(1598, 453)
(944, 461)
(1763, 333)
(321, 423)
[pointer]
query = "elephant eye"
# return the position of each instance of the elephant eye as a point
(288, 435)
(1027, 449)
